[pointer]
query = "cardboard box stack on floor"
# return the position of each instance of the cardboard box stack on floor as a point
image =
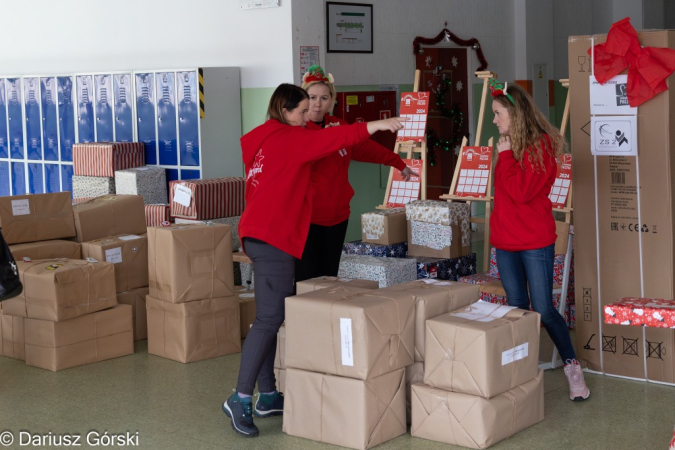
(192, 309)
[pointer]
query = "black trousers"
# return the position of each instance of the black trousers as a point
(274, 274)
(321, 256)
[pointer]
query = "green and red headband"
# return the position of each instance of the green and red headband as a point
(316, 74)
(497, 89)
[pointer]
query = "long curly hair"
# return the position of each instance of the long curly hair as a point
(528, 127)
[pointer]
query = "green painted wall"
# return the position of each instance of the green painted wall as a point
(254, 103)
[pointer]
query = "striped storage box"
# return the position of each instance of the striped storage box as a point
(207, 199)
(102, 159)
(156, 214)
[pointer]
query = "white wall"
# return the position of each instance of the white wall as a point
(99, 35)
(309, 25)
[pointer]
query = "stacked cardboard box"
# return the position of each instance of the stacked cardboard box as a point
(192, 309)
(233, 222)
(384, 227)
(110, 215)
(438, 229)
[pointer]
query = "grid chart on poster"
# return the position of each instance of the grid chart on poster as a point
(41, 117)
(473, 181)
(404, 192)
(414, 107)
(559, 191)
(414, 128)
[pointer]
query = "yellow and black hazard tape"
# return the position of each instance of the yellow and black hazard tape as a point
(201, 93)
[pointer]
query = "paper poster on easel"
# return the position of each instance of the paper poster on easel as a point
(474, 172)
(415, 107)
(403, 192)
(563, 180)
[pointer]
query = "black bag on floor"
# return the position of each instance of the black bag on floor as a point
(10, 284)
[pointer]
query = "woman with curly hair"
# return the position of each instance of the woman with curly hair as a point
(522, 224)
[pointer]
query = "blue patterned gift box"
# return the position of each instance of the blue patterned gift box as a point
(386, 271)
(446, 269)
(399, 250)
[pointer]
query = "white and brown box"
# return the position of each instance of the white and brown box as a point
(324, 282)
(139, 316)
(384, 227)
(91, 187)
(148, 181)
(36, 217)
(109, 215)
(193, 331)
(83, 340)
(129, 255)
(12, 342)
(57, 248)
(438, 229)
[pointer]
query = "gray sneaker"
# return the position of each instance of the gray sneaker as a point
(240, 410)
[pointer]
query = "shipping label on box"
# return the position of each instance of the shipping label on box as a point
(129, 254)
(39, 217)
(136, 299)
(102, 159)
(148, 181)
(386, 271)
(91, 187)
(109, 215)
(47, 250)
(207, 199)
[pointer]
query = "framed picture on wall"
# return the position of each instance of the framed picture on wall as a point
(349, 27)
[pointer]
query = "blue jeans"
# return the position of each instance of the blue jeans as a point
(535, 268)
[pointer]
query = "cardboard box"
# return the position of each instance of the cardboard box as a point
(12, 342)
(386, 271)
(193, 331)
(129, 255)
(155, 215)
(399, 250)
(110, 215)
(343, 411)
(414, 374)
(280, 355)
(384, 227)
(62, 289)
(246, 309)
(139, 317)
(326, 282)
(280, 375)
(482, 350)
(207, 199)
(39, 217)
(102, 159)
(231, 221)
(46, 250)
(190, 262)
(91, 187)
(350, 332)
(612, 259)
(474, 422)
(438, 229)
(444, 268)
(84, 340)
(148, 181)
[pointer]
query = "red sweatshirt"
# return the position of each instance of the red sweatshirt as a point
(522, 218)
(330, 175)
(279, 196)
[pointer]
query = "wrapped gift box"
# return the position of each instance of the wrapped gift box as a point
(136, 299)
(327, 282)
(155, 215)
(386, 271)
(102, 159)
(231, 221)
(90, 187)
(109, 215)
(148, 181)
(384, 227)
(478, 278)
(47, 250)
(446, 269)
(648, 312)
(207, 199)
(399, 250)
(414, 374)
(36, 217)
(438, 229)
(128, 253)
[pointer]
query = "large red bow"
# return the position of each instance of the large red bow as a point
(648, 67)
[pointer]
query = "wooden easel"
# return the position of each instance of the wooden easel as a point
(567, 210)
(410, 148)
(451, 197)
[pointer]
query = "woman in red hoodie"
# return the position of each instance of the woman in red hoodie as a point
(330, 180)
(273, 229)
(522, 224)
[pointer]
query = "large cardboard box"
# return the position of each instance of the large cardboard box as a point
(62, 289)
(438, 229)
(12, 342)
(190, 262)
(110, 215)
(231, 221)
(384, 227)
(414, 374)
(472, 421)
(280, 375)
(246, 309)
(612, 258)
(129, 255)
(343, 411)
(87, 339)
(280, 355)
(136, 299)
(193, 331)
(484, 349)
(350, 332)
(47, 250)
(39, 217)
(327, 282)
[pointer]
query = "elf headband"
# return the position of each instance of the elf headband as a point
(316, 74)
(497, 89)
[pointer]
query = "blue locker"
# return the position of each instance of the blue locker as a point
(50, 136)
(32, 117)
(35, 181)
(15, 117)
(188, 118)
(85, 108)
(4, 144)
(66, 117)
(18, 178)
(145, 112)
(67, 178)
(124, 121)
(52, 178)
(166, 119)
(104, 114)
(189, 174)
(4, 179)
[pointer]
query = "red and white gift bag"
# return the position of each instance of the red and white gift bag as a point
(207, 199)
(156, 214)
(102, 159)
(649, 312)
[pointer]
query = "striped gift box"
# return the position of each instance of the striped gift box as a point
(156, 214)
(208, 199)
(102, 159)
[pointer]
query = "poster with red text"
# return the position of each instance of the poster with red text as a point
(403, 192)
(415, 107)
(563, 181)
(474, 172)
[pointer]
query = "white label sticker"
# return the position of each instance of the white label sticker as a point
(182, 195)
(370, 98)
(515, 354)
(346, 342)
(129, 238)
(114, 255)
(21, 207)
(610, 98)
(372, 236)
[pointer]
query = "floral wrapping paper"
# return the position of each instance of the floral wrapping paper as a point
(430, 235)
(231, 221)
(441, 213)
(90, 187)
(399, 250)
(149, 182)
(648, 312)
(372, 223)
(570, 309)
(478, 278)
(446, 269)
(386, 271)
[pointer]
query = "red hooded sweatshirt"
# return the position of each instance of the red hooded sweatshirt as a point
(279, 196)
(522, 218)
(330, 175)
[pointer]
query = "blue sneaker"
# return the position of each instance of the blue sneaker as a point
(269, 405)
(239, 410)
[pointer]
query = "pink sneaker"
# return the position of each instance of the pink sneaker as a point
(575, 377)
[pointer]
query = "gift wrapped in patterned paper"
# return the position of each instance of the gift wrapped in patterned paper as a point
(399, 250)
(478, 278)
(148, 181)
(446, 269)
(231, 221)
(90, 187)
(649, 312)
(155, 215)
(494, 272)
(384, 226)
(386, 271)
(102, 159)
(207, 199)
(438, 229)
